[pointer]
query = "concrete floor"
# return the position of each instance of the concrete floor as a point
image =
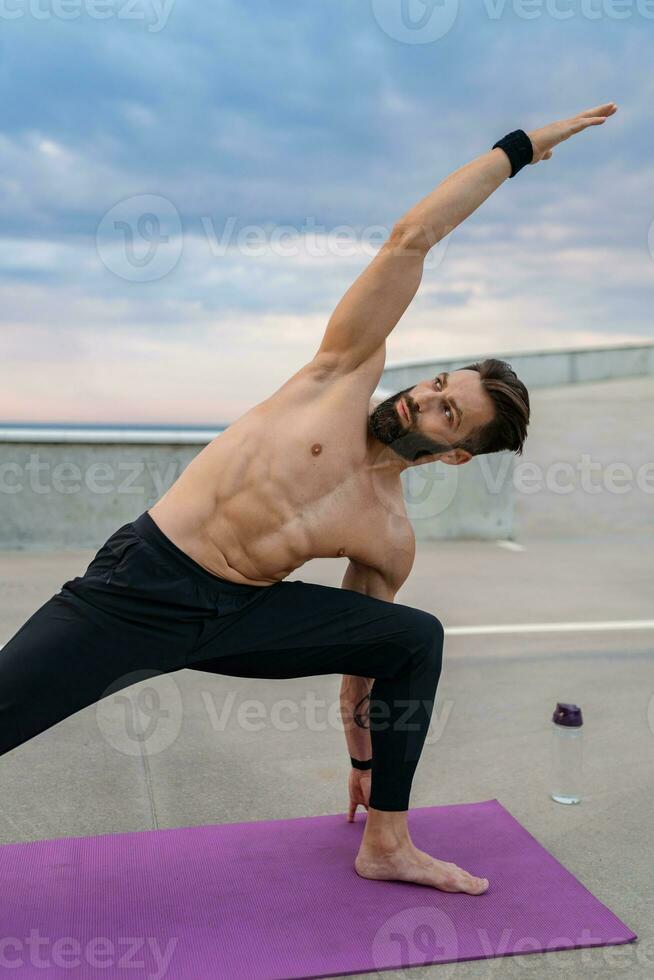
(489, 736)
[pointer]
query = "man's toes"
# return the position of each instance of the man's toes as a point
(475, 885)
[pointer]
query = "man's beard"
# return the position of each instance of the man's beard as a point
(385, 425)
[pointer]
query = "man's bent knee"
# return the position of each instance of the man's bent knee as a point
(428, 629)
(431, 635)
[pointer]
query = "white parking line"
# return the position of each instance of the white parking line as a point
(612, 624)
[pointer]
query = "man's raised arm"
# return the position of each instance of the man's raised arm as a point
(373, 305)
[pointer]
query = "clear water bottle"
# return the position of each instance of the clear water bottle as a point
(567, 743)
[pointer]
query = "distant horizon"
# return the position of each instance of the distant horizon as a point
(177, 425)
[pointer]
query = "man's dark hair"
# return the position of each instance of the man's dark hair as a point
(508, 429)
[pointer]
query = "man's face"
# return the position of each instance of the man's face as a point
(433, 416)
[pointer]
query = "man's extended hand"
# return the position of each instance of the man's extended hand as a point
(359, 790)
(546, 138)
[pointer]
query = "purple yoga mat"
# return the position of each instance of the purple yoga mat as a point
(281, 899)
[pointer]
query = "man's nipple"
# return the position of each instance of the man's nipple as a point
(316, 449)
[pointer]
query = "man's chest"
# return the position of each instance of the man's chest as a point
(338, 503)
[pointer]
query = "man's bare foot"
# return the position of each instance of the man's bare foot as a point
(407, 863)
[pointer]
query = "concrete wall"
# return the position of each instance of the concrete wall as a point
(74, 495)
(539, 369)
(470, 501)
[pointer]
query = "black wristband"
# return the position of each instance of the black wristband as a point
(361, 765)
(518, 148)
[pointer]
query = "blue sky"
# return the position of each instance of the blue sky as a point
(139, 141)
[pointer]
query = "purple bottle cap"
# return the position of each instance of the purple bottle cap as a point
(568, 715)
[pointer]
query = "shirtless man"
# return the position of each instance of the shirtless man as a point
(313, 471)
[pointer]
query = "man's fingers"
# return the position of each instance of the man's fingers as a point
(574, 126)
(580, 124)
(590, 117)
(607, 109)
(547, 137)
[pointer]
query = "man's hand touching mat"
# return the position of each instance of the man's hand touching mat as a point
(359, 790)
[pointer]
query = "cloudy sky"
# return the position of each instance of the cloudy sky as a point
(189, 186)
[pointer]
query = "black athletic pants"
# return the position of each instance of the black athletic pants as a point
(143, 604)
